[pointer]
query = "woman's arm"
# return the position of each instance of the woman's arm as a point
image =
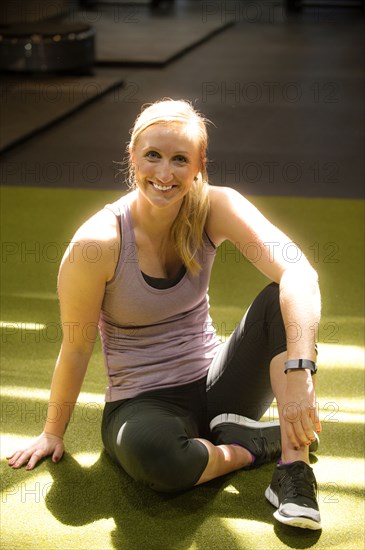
(234, 218)
(81, 286)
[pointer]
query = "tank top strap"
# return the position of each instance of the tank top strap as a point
(128, 251)
(114, 207)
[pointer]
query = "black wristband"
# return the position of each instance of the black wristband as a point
(300, 364)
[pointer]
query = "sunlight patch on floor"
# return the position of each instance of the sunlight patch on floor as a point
(243, 526)
(10, 442)
(32, 295)
(86, 459)
(22, 392)
(231, 489)
(21, 325)
(344, 472)
(333, 355)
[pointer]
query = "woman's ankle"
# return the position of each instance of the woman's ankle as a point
(293, 455)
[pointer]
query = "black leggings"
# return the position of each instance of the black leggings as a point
(152, 435)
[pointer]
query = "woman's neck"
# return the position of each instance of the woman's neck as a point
(157, 255)
(156, 222)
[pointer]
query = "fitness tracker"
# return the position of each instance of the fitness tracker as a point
(293, 364)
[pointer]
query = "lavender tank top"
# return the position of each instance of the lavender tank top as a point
(154, 338)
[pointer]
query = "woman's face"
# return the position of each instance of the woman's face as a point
(166, 159)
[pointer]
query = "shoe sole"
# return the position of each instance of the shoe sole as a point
(231, 418)
(299, 521)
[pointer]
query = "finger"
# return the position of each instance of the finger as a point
(58, 453)
(300, 434)
(9, 457)
(293, 441)
(21, 459)
(318, 426)
(307, 425)
(293, 415)
(316, 422)
(14, 457)
(314, 415)
(35, 458)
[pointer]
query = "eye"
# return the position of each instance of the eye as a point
(152, 155)
(181, 159)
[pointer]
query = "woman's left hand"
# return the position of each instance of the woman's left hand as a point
(300, 409)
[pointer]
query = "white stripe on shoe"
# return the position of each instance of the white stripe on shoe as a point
(232, 418)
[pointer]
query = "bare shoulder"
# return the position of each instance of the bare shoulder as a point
(218, 193)
(225, 199)
(96, 243)
(102, 227)
(228, 208)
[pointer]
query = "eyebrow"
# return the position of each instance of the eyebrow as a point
(159, 150)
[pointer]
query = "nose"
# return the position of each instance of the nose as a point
(164, 172)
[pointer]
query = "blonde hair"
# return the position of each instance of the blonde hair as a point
(187, 229)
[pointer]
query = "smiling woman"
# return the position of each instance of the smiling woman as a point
(167, 151)
(182, 407)
(164, 159)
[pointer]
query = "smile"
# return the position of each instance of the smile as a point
(162, 187)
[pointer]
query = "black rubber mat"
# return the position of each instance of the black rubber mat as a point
(30, 104)
(133, 35)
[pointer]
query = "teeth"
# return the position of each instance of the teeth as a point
(161, 187)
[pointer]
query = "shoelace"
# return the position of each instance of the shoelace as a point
(296, 482)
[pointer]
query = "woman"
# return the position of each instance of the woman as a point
(181, 407)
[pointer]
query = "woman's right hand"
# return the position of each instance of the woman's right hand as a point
(44, 445)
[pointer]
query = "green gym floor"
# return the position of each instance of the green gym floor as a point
(310, 185)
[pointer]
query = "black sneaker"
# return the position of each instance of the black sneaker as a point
(227, 427)
(262, 439)
(293, 491)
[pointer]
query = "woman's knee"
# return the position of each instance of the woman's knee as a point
(265, 311)
(163, 463)
(270, 294)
